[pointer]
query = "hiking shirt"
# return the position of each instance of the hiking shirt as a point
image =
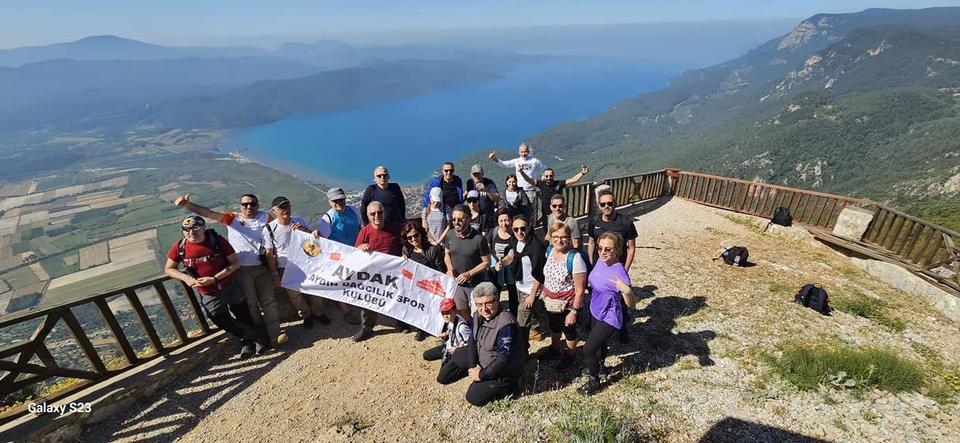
(246, 236)
(202, 259)
(280, 242)
(621, 224)
(394, 205)
(467, 253)
(385, 240)
(341, 227)
(604, 296)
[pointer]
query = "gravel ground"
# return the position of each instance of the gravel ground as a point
(692, 371)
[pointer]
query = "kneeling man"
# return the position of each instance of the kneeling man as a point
(499, 350)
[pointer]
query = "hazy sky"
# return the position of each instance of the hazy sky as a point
(31, 22)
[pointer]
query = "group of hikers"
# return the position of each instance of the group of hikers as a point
(483, 238)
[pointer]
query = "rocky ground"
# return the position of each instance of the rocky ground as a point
(694, 369)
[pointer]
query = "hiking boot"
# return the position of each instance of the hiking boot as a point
(351, 317)
(260, 348)
(566, 363)
(247, 350)
(322, 319)
(281, 339)
(604, 370)
(548, 353)
(590, 387)
(308, 322)
(403, 327)
(421, 336)
(362, 334)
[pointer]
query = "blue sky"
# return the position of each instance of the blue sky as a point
(29, 22)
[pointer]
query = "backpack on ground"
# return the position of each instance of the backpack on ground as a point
(736, 255)
(211, 236)
(813, 297)
(781, 216)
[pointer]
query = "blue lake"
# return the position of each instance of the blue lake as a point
(413, 136)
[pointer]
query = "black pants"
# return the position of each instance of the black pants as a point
(482, 392)
(456, 365)
(231, 300)
(595, 348)
(557, 325)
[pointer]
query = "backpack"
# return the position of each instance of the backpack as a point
(781, 216)
(813, 297)
(210, 235)
(570, 256)
(736, 255)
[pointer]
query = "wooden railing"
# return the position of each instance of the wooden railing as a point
(579, 199)
(636, 188)
(761, 199)
(917, 242)
(21, 373)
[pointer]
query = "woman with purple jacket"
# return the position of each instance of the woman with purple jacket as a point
(608, 281)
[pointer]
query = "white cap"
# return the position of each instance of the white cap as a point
(473, 194)
(436, 195)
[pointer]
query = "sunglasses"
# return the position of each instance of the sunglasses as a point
(520, 229)
(458, 219)
(383, 175)
(340, 201)
(447, 171)
(548, 177)
(606, 204)
(602, 249)
(194, 228)
(472, 200)
(413, 237)
(556, 206)
(249, 204)
(371, 214)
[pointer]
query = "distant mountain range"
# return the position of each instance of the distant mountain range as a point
(113, 83)
(865, 104)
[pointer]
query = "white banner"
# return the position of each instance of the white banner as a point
(389, 285)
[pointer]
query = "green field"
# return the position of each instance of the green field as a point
(125, 277)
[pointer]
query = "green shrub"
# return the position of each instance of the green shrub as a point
(862, 306)
(590, 422)
(846, 367)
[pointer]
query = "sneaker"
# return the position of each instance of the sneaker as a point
(281, 339)
(351, 317)
(247, 350)
(566, 363)
(362, 334)
(308, 322)
(603, 371)
(421, 336)
(259, 348)
(322, 319)
(590, 387)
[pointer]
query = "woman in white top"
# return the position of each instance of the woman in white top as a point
(514, 200)
(436, 218)
(564, 280)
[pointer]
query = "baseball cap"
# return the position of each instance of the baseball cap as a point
(277, 201)
(476, 169)
(473, 194)
(447, 305)
(192, 221)
(436, 195)
(336, 194)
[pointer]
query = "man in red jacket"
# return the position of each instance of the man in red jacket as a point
(210, 263)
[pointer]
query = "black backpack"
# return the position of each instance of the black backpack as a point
(813, 297)
(736, 255)
(781, 216)
(211, 237)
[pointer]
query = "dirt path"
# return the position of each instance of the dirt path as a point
(695, 360)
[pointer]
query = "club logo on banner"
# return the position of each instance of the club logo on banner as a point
(392, 286)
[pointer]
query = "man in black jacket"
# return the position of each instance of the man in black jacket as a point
(529, 256)
(501, 357)
(388, 194)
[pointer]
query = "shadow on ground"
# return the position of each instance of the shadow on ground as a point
(174, 411)
(735, 430)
